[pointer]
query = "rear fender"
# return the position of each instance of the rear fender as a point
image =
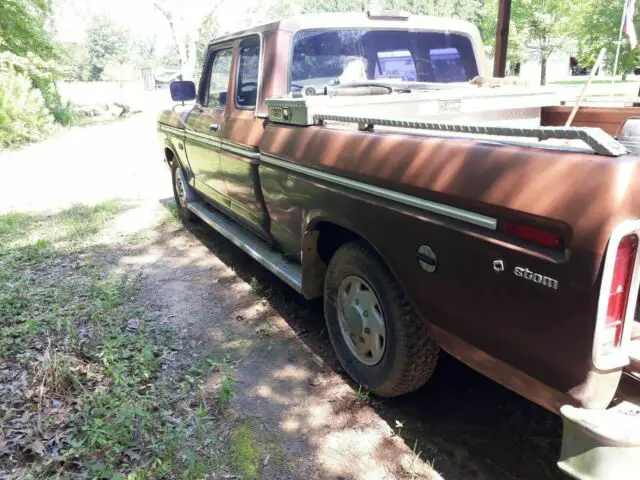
(313, 266)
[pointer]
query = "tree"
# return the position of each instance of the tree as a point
(598, 27)
(319, 6)
(544, 26)
(106, 42)
(464, 9)
(25, 34)
(78, 61)
(189, 24)
(208, 30)
(23, 29)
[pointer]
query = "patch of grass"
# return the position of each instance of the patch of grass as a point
(362, 394)
(172, 218)
(98, 398)
(28, 236)
(57, 373)
(137, 239)
(259, 288)
(245, 451)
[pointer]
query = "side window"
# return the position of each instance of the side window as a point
(219, 78)
(248, 66)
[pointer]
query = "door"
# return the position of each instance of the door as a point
(205, 124)
(239, 150)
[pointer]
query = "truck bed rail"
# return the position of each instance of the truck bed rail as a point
(598, 140)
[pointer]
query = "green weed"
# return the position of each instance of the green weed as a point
(362, 394)
(259, 288)
(226, 392)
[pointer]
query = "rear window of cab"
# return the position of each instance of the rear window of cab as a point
(332, 57)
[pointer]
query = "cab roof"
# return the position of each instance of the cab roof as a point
(386, 20)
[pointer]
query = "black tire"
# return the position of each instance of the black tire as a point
(410, 353)
(186, 215)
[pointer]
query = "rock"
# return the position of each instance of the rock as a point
(133, 324)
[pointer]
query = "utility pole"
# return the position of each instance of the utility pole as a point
(502, 38)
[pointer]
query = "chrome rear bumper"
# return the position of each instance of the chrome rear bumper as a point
(601, 444)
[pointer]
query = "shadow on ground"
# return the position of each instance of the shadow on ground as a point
(464, 424)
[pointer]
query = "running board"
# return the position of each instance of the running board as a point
(286, 270)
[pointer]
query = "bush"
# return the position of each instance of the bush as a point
(63, 114)
(24, 116)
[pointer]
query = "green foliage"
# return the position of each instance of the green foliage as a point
(106, 44)
(464, 9)
(27, 50)
(362, 394)
(22, 28)
(537, 29)
(317, 6)
(131, 408)
(208, 30)
(77, 57)
(226, 392)
(24, 116)
(596, 27)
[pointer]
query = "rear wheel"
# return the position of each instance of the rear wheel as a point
(379, 339)
(180, 193)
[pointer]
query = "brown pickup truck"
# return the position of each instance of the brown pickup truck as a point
(367, 159)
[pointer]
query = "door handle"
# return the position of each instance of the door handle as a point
(214, 127)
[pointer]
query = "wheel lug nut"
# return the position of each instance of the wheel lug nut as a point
(361, 339)
(366, 314)
(367, 330)
(357, 302)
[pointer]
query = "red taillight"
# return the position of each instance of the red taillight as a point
(619, 293)
(532, 234)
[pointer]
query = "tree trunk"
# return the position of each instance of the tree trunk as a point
(178, 40)
(543, 70)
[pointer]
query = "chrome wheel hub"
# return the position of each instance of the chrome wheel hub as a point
(361, 320)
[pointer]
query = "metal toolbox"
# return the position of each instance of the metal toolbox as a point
(502, 106)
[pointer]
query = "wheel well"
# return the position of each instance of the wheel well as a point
(331, 238)
(319, 244)
(169, 156)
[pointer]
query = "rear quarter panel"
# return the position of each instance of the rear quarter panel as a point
(547, 334)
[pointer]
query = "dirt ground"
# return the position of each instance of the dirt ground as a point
(311, 421)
